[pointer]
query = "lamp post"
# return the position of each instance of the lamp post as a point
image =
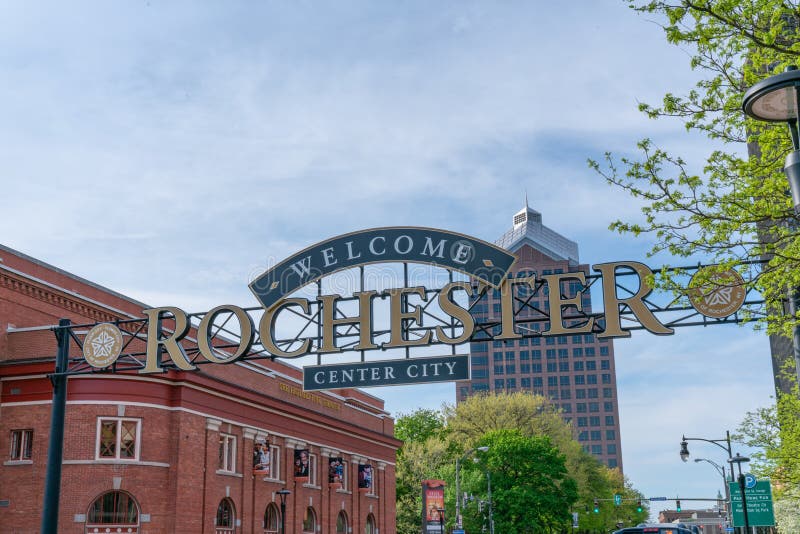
(458, 485)
(282, 494)
(718, 442)
(491, 504)
(721, 470)
(441, 519)
(738, 460)
(776, 99)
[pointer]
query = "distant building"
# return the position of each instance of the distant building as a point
(576, 372)
(711, 521)
(190, 452)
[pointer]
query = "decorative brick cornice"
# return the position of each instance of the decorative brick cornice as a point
(47, 295)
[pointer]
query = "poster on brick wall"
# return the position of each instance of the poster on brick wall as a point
(301, 463)
(336, 471)
(261, 459)
(364, 476)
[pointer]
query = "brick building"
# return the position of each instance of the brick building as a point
(576, 372)
(176, 451)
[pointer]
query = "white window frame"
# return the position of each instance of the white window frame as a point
(118, 421)
(373, 488)
(274, 463)
(312, 469)
(24, 441)
(229, 453)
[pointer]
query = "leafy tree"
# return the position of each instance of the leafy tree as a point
(418, 426)
(533, 415)
(737, 209)
(423, 455)
(531, 489)
(775, 431)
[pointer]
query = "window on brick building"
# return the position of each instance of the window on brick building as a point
(225, 520)
(227, 453)
(112, 508)
(272, 516)
(342, 525)
(118, 438)
(371, 527)
(310, 520)
(21, 445)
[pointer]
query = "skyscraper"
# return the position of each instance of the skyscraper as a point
(576, 372)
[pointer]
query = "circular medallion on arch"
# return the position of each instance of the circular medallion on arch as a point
(102, 345)
(717, 294)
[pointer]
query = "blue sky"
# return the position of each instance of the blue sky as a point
(170, 151)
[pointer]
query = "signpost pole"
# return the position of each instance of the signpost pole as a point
(55, 448)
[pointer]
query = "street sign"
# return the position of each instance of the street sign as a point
(457, 531)
(759, 505)
(617, 499)
(657, 499)
(749, 481)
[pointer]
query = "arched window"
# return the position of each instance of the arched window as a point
(310, 520)
(371, 528)
(114, 508)
(341, 523)
(225, 521)
(272, 519)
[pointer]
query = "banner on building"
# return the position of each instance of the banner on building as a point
(301, 463)
(336, 471)
(364, 476)
(261, 458)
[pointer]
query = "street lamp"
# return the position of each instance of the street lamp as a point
(776, 100)
(282, 494)
(721, 470)
(458, 485)
(718, 442)
(441, 519)
(738, 460)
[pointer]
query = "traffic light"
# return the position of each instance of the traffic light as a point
(677, 505)
(596, 506)
(638, 506)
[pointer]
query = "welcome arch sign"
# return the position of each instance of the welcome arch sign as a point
(366, 335)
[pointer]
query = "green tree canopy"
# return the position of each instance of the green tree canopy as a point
(736, 209)
(531, 489)
(465, 425)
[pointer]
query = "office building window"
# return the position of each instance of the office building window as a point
(608, 406)
(511, 369)
(580, 380)
(580, 407)
(605, 365)
(591, 366)
(611, 448)
(511, 383)
(536, 354)
(594, 407)
(499, 383)
(611, 435)
(612, 462)
(609, 420)
(595, 434)
(594, 420)
(524, 355)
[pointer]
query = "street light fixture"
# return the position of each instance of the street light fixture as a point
(721, 470)
(282, 494)
(458, 485)
(776, 99)
(738, 460)
(718, 442)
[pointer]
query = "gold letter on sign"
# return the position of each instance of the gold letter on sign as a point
(557, 303)
(204, 335)
(266, 329)
(155, 343)
(363, 320)
(507, 330)
(611, 304)
(457, 312)
(398, 317)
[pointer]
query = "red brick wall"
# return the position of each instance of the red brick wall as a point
(176, 480)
